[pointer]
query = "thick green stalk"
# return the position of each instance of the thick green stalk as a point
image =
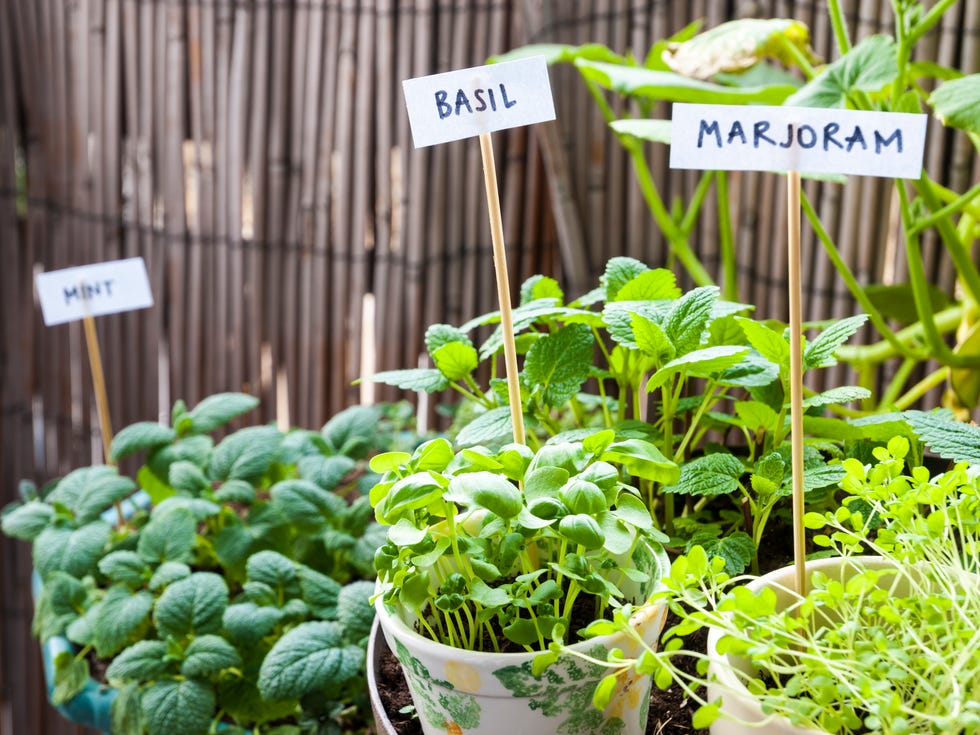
(930, 19)
(966, 269)
(921, 388)
(953, 207)
(946, 321)
(694, 208)
(840, 28)
(892, 391)
(726, 241)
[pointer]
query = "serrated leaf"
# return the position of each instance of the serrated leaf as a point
(558, 364)
(353, 431)
(126, 711)
(699, 363)
(651, 340)
(246, 454)
(61, 601)
(70, 677)
(620, 271)
(217, 410)
(139, 436)
(327, 472)
(305, 504)
(867, 67)
(320, 592)
(688, 319)
(168, 573)
(142, 661)
(192, 606)
(541, 287)
(355, 612)
(524, 316)
(658, 284)
(189, 478)
(425, 380)
(456, 360)
(815, 478)
(489, 427)
(948, 438)
(756, 416)
(171, 706)
(839, 395)
(768, 342)
(74, 552)
(655, 131)
(736, 548)
(122, 614)
(439, 335)
(207, 656)
(126, 567)
(820, 352)
(169, 536)
(308, 658)
(712, 474)
(752, 373)
(26, 522)
(247, 623)
(956, 103)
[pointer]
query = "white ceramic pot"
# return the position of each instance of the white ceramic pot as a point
(457, 691)
(740, 706)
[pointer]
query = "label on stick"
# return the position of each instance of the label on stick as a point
(92, 290)
(807, 139)
(467, 102)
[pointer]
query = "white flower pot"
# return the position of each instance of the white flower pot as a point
(739, 706)
(458, 691)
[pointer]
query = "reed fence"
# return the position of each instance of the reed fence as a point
(256, 154)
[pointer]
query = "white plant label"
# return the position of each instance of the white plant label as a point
(93, 290)
(468, 102)
(807, 139)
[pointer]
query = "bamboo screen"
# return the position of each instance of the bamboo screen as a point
(256, 154)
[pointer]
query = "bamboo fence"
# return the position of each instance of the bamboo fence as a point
(256, 154)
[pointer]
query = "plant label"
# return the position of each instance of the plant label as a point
(467, 102)
(813, 140)
(92, 290)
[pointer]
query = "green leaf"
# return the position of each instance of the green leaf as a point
(456, 360)
(957, 103)
(486, 490)
(820, 352)
(126, 567)
(217, 410)
(139, 436)
(756, 416)
(688, 319)
(26, 522)
(767, 341)
(440, 335)
(192, 606)
(248, 623)
(70, 677)
(168, 573)
(699, 363)
(487, 428)
(712, 474)
(839, 395)
(355, 613)
(867, 67)
(353, 431)
(426, 380)
(188, 478)
(558, 364)
(651, 340)
(705, 715)
(815, 478)
(555, 53)
(305, 504)
(310, 657)
(184, 707)
(655, 131)
(663, 85)
(122, 615)
(541, 287)
(642, 459)
(736, 548)
(619, 271)
(327, 472)
(896, 301)
(277, 571)
(319, 592)
(583, 530)
(235, 491)
(650, 285)
(61, 601)
(74, 552)
(246, 454)
(142, 661)
(169, 536)
(126, 711)
(948, 438)
(90, 491)
(207, 656)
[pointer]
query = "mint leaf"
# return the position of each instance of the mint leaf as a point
(651, 285)
(867, 67)
(768, 342)
(841, 394)
(440, 335)
(208, 655)
(756, 416)
(169, 536)
(736, 548)
(426, 380)
(142, 661)
(121, 616)
(248, 623)
(688, 319)
(126, 567)
(59, 604)
(327, 472)
(651, 340)
(308, 658)
(820, 352)
(456, 360)
(712, 474)
(541, 287)
(948, 438)
(699, 363)
(178, 706)
(620, 271)
(319, 592)
(139, 436)
(26, 522)
(487, 428)
(353, 431)
(305, 504)
(192, 606)
(246, 454)
(70, 677)
(355, 611)
(217, 410)
(188, 478)
(558, 364)
(73, 552)
(821, 476)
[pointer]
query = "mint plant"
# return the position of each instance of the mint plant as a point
(888, 647)
(639, 356)
(234, 590)
(496, 550)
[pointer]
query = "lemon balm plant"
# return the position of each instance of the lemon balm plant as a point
(883, 641)
(233, 591)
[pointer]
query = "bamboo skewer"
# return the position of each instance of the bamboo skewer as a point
(796, 371)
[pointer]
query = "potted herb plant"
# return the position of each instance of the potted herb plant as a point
(885, 643)
(495, 558)
(229, 586)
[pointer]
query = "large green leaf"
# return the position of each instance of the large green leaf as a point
(767, 341)
(867, 67)
(169, 536)
(426, 380)
(246, 454)
(712, 474)
(957, 103)
(319, 592)
(650, 285)
(60, 602)
(122, 615)
(642, 459)
(353, 431)
(946, 437)
(207, 656)
(126, 567)
(89, 491)
(218, 409)
(192, 606)
(139, 436)
(277, 571)
(143, 661)
(310, 657)
(327, 472)
(70, 677)
(619, 271)
(820, 352)
(184, 707)
(841, 394)
(492, 426)
(688, 318)
(558, 364)
(699, 363)
(355, 613)
(74, 552)
(26, 522)
(736, 548)
(306, 504)
(456, 360)
(247, 623)
(672, 87)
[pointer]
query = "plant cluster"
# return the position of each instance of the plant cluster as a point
(886, 648)
(768, 61)
(496, 550)
(639, 356)
(233, 590)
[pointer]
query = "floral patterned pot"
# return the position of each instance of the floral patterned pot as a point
(457, 691)
(739, 706)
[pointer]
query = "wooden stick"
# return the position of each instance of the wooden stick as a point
(503, 286)
(98, 382)
(796, 371)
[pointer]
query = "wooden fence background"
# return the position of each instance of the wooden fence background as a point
(256, 154)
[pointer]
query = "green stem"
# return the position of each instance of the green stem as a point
(726, 240)
(946, 321)
(966, 269)
(952, 208)
(891, 393)
(840, 28)
(929, 20)
(706, 402)
(801, 61)
(921, 388)
(697, 201)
